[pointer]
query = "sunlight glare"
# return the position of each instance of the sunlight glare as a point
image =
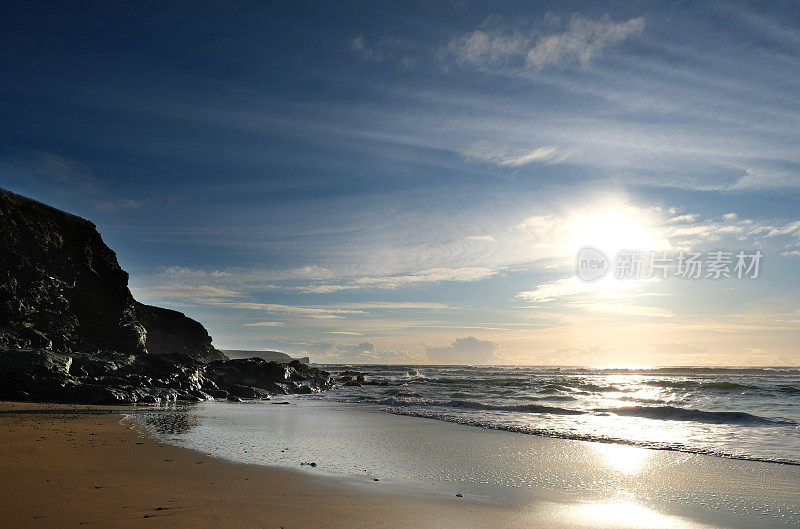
(628, 460)
(614, 228)
(626, 514)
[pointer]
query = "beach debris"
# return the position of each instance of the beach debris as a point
(459, 495)
(311, 464)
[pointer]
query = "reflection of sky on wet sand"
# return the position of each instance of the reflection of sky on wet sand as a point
(622, 486)
(622, 513)
(622, 508)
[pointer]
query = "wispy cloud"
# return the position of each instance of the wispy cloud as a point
(230, 299)
(537, 155)
(482, 49)
(385, 48)
(500, 156)
(395, 305)
(792, 228)
(573, 287)
(332, 311)
(583, 40)
(432, 275)
(318, 312)
(312, 279)
(182, 292)
(242, 276)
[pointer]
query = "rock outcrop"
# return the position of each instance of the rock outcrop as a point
(61, 287)
(70, 330)
(169, 331)
(116, 378)
(269, 356)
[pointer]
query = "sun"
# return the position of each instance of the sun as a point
(616, 227)
(611, 228)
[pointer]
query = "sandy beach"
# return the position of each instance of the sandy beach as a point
(78, 466)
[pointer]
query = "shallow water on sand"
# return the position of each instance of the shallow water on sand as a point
(602, 480)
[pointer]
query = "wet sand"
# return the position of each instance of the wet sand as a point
(73, 467)
(77, 466)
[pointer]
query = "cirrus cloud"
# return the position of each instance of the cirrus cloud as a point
(584, 40)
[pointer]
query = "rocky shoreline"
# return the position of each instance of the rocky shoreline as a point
(71, 332)
(114, 378)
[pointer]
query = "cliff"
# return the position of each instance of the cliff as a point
(61, 288)
(169, 331)
(270, 356)
(70, 330)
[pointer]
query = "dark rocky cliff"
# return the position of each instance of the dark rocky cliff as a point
(61, 288)
(70, 330)
(169, 331)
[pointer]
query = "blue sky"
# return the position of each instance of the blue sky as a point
(409, 182)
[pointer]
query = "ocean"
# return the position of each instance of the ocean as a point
(743, 413)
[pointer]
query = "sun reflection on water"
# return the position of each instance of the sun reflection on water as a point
(626, 514)
(628, 460)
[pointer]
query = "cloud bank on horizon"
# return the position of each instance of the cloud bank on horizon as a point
(410, 183)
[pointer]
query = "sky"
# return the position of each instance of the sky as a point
(410, 182)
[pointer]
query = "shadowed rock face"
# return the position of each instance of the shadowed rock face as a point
(61, 288)
(70, 330)
(169, 331)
